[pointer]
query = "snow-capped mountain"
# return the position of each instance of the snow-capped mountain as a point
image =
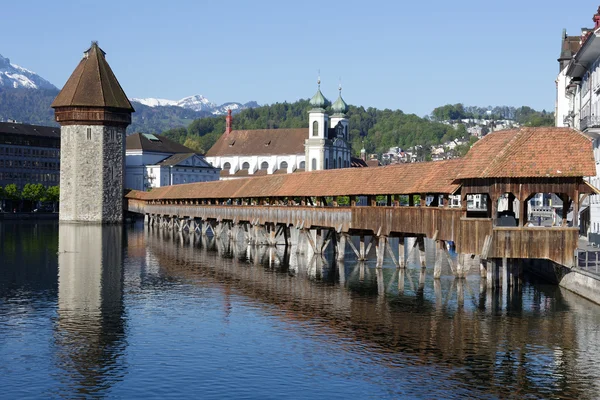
(11, 75)
(196, 103)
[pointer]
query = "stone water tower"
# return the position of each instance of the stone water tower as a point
(93, 112)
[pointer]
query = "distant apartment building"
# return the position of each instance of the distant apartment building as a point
(29, 154)
(152, 161)
(578, 101)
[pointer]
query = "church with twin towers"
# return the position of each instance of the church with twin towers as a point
(323, 145)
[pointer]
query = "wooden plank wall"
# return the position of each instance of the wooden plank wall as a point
(557, 244)
(411, 220)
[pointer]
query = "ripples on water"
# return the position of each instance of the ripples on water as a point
(87, 311)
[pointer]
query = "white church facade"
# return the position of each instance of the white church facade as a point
(323, 145)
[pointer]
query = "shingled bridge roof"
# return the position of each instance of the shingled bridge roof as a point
(520, 153)
(530, 153)
(403, 179)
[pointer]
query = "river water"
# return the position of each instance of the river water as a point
(90, 311)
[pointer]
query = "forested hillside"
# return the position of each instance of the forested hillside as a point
(377, 129)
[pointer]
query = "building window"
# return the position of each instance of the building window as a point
(340, 162)
(264, 165)
(326, 163)
(89, 133)
(283, 165)
(334, 163)
(315, 128)
(346, 132)
(226, 166)
(246, 166)
(302, 165)
(314, 164)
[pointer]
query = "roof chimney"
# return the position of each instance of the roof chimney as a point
(228, 122)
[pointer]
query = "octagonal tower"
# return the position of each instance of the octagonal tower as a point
(93, 112)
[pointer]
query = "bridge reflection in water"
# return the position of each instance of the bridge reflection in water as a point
(497, 341)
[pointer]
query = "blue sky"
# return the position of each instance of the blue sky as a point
(411, 56)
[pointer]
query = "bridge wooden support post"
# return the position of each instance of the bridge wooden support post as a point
(340, 247)
(439, 260)
(361, 255)
(380, 244)
(506, 273)
(483, 269)
(401, 277)
(401, 253)
(489, 273)
(287, 236)
(341, 272)
(272, 231)
(461, 266)
(421, 247)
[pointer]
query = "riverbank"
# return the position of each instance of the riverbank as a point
(576, 280)
(29, 216)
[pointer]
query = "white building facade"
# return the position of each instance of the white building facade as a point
(578, 100)
(155, 161)
(324, 145)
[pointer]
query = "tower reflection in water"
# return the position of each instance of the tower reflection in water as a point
(89, 331)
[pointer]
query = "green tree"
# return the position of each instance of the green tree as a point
(33, 192)
(53, 195)
(12, 192)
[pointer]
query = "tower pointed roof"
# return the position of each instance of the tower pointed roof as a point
(319, 101)
(93, 84)
(339, 107)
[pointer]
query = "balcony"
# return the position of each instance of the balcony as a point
(590, 122)
(585, 122)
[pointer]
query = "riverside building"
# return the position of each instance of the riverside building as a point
(29, 154)
(153, 161)
(578, 106)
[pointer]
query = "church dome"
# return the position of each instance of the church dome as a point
(318, 100)
(340, 106)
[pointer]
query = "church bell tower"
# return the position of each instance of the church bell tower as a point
(93, 112)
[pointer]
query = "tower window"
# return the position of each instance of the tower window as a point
(226, 166)
(89, 133)
(314, 164)
(246, 166)
(283, 165)
(264, 165)
(302, 164)
(315, 128)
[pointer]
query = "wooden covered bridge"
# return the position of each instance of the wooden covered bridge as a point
(408, 200)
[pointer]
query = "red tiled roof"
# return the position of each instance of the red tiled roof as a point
(414, 178)
(529, 153)
(260, 142)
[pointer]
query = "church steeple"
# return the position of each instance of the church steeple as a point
(318, 101)
(340, 108)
